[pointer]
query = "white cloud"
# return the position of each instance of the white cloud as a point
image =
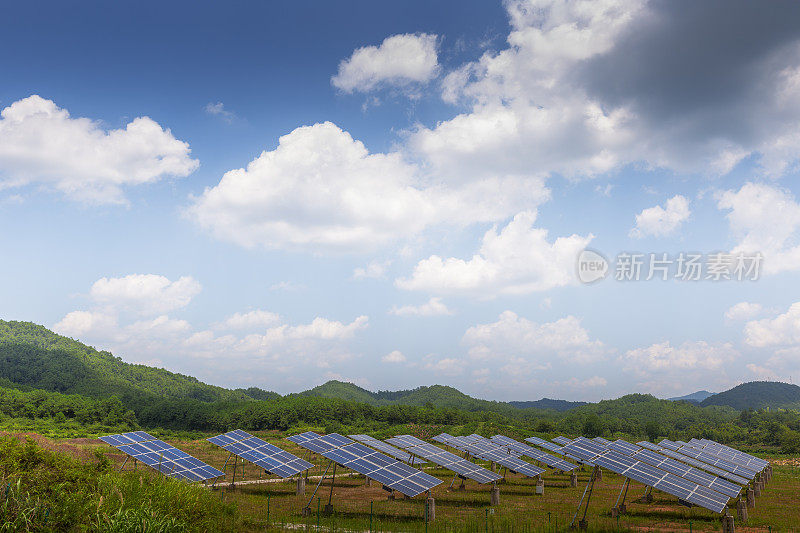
(448, 366)
(782, 330)
(765, 219)
(580, 384)
(394, 357)
(539, 345)
(374, 270)
(743, 311)
(41, 144)
(79, 323)
(398, 61)
(697, 355)
(218, 110)
(517, 260)
(433, 307)
(145, 293)
(257, 318)
(321, 190)
(583, 88)
(762, 372)
(661, 221)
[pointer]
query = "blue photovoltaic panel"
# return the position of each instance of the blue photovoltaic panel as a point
(601, 440)
(678, 468)
(717, 461)
(259, 452)
(649, 475)
(696, 463)
(388, 449)
(161, 456)
(745, 458)
(555, 448)
(353, 455)
(444, 458)
(729, 454)
(528, 451)
(487, 450)
(562, 440)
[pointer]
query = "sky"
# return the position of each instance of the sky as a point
(520, 199)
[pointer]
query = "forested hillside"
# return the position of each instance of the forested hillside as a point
(547, 403)
(35, 356)
(757, 395)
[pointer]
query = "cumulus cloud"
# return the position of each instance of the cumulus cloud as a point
(394, 357)
(512, 336)
(661, 221)
(248, 342)
(517, 260)
(765, 219)
(433, 307)
(782, 330)
(374, 270)
(41, 143)
(664, 368)
(145, 293)
(743, 311)
(321, 190)
(218, 110)
(398, 61)
(588, 87)
(258, 318)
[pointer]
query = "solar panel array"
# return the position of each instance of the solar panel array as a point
(388, 449)
(555, 448)
(353, 455)
(732, 454)
(161, 456)
(648, 475)
(487, 450)
(678, 468)
(259, 452)
(713, 460)
(562, 440)
(444, 458)
(545, 458)
(694, 462)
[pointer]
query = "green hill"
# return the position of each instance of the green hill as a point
(547, 403)
(757, 395)
(33, 356)
(695, 397)
(438, 395)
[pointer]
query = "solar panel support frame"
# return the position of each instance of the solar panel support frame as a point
(590, 488)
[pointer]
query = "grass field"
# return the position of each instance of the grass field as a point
(268, 504)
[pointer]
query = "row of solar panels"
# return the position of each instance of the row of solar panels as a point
(702, 472)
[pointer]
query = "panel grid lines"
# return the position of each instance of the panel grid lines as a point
(261, 453)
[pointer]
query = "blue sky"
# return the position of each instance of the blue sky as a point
(397, 194)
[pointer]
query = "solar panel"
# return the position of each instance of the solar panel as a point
(756, 462)
(562, 440)
(259, 452)
(353, 455)
(696, 463)
(544, 458)
(678, 468)
(161, 456)
(388, 449)
(729, 454)
(555, 448)
(717, 461)
(483, 448)
(649, 475)
(602, 441)
(444, 458)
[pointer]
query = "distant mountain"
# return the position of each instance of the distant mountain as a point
(547, 403)
(33, 356)
(695, 397)
(438, 395)
(757, 394)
